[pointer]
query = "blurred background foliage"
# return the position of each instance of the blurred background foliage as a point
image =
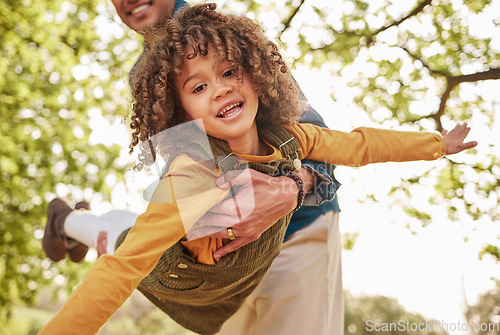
(424, 56)
(368, 314)
(55, 73)
(64, 64)
(139, 316)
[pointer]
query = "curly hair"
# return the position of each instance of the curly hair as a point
(236, 39)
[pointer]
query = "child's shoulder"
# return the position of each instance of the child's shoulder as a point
(182, 161)
(190, 164)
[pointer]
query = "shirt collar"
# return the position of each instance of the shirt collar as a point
(178, 5)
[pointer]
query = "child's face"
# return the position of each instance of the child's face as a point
(210, 90)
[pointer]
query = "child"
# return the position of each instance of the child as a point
(221, 73)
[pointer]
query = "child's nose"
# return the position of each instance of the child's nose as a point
(222, 90)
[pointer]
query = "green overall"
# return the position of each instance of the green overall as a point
(202, 297)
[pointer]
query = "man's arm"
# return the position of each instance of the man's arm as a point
(265, 198)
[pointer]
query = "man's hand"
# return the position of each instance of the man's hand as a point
(263, 199)
(454, 139)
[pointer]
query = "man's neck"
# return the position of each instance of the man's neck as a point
(150, 34)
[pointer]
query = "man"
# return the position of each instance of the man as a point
(302, 291)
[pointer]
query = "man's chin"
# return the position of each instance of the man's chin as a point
(152, 31)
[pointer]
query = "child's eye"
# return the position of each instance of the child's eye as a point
(228, 73)
(199, 88)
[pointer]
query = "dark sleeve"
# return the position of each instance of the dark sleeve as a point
(326, 185)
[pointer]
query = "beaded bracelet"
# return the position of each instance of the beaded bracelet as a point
(300, 185)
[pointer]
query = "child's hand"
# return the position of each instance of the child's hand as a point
(454, 139)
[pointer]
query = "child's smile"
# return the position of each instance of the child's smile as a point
(230, 110)
(213, 91)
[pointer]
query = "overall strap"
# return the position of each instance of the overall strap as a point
(279, 137)
(276, 135)
(224, 157)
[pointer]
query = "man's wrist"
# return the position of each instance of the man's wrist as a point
(325, 184)
(289, 192)
(300, 186)
(308, 178)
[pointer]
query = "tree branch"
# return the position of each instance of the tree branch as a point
(437, 116)
(454, 81)
(370, 36)
(424, 63)
(490, 74)
(451, 82)
(398, 22)
(288, 21)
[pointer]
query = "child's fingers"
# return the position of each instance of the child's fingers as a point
(469, 145)
(461, 127)
(466, 132)
(465, 128)
(102, 243)
(460, 131)
(463, 132)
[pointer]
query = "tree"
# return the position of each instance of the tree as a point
(483, 318)
(383, 315)
(55, 74)
(57, 71)
(423, 66)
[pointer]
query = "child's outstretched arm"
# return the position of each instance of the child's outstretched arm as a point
(368, 145)
(454, 139)
(113, 278)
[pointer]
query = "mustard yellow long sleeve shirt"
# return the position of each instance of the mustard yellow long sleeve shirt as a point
(114, 277)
